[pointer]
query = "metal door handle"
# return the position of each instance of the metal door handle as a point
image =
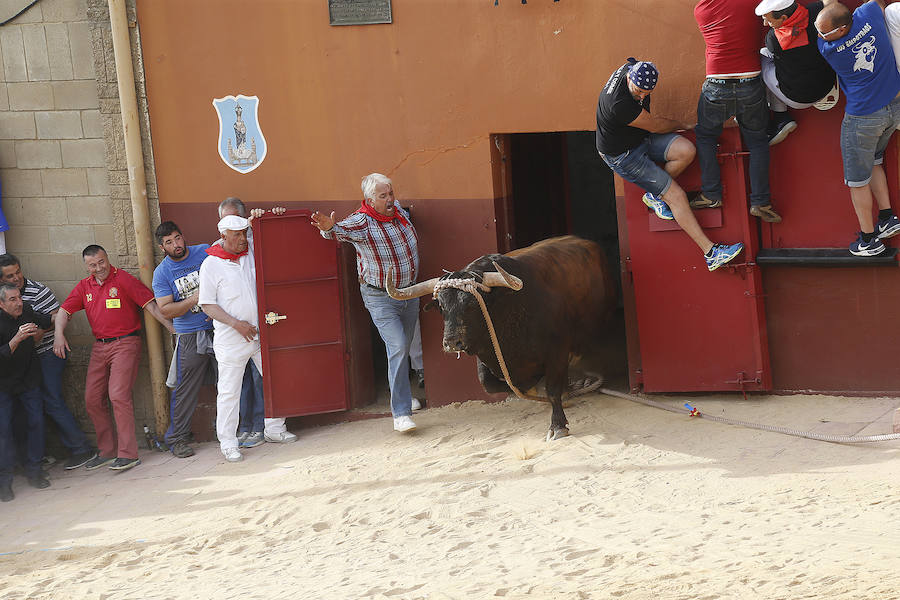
(273, 317)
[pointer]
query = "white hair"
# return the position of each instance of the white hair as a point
(233, 202)
(370, 181)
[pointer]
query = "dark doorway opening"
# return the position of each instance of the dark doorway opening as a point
(553, 184)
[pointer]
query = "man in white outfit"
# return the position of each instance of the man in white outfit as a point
(228, 295)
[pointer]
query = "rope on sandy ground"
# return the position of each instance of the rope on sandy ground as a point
(693, 412)
(472, 287)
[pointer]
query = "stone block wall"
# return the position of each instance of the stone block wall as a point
(62, 158)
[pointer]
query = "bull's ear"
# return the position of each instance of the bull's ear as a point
(432, 305)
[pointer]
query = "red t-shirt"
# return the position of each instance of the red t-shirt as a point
(733, 35)
(112, 309)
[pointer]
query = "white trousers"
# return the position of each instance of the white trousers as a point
(232, 359)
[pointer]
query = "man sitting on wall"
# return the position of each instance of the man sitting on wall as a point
(631, 141)
(795, 74)
(858, 48)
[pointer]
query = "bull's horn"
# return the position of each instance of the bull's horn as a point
(407, 293)
(502, 279)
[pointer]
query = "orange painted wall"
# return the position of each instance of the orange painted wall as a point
(416, 99)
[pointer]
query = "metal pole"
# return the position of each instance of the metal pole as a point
(138, 186)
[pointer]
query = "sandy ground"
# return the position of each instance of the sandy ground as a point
(638, 503)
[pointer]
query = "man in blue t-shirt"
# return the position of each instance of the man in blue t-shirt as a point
(858, 48)
(176, 282)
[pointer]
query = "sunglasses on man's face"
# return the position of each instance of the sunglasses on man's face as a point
(824, 35)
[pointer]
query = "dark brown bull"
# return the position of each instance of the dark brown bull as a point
(559, 314)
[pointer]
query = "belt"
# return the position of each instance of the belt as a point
(741, 80)
(118, 337)
(374, 287)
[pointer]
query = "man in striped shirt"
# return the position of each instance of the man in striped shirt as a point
(384, 238)
(42, 300)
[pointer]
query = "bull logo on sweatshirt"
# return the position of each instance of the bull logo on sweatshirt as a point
(865, 55)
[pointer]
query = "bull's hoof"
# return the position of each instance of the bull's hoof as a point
(557, 432)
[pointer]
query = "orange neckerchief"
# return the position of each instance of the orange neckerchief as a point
(793, 32)
(366, 209)
(218, 251)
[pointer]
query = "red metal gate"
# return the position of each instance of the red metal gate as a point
(301, 323)
(696, 330)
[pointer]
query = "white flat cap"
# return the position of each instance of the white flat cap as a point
(233, 223)
(767, 6)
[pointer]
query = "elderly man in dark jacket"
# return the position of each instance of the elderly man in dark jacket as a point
(20, 381)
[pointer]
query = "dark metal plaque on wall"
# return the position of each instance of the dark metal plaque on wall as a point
(359, 12)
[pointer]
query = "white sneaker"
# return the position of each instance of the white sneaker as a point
(285, 437)
(416, 405)
(403, 424)
(233, 455)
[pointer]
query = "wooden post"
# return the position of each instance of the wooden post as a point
(140, 211)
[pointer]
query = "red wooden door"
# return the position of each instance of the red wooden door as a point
(696, 330)
(298, 283)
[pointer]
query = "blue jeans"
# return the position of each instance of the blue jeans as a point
(70, 434)
(253, 408)
(864, 140)
(32, 402)
(396, 323)
(639, 165)
(744, 99)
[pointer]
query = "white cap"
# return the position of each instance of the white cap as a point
(233, 223)
(767, 6)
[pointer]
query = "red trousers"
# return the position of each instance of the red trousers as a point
(112, 371)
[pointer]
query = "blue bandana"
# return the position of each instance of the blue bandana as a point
(644, 75)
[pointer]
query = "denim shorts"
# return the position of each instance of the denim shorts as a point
(863, 141)
(639, 165)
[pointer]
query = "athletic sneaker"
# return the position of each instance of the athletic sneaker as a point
(403, 424)
(416, 405)
(702, 201)
(123, 464)
(661, 209)
(779, 128)
(888, 227)
(720, 254)
(285, 437)
(233, 455)
(766, 213)
(98, 461)
(80, 459)
(181, 449)
(862, 248)
(252, 440)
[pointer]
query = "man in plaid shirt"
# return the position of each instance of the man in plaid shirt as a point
(384, 238)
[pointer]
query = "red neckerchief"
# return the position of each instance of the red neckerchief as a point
(218, 251)
(793, 32)
(366, 209)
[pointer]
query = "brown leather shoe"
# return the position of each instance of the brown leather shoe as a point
(766, 213)
(702, 201)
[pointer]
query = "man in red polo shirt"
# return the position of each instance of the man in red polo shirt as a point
(112, 300)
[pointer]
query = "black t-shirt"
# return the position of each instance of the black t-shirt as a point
(616, 108)
(802, 73)
(21, 369)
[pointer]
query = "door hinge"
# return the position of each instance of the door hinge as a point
(741, 380)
